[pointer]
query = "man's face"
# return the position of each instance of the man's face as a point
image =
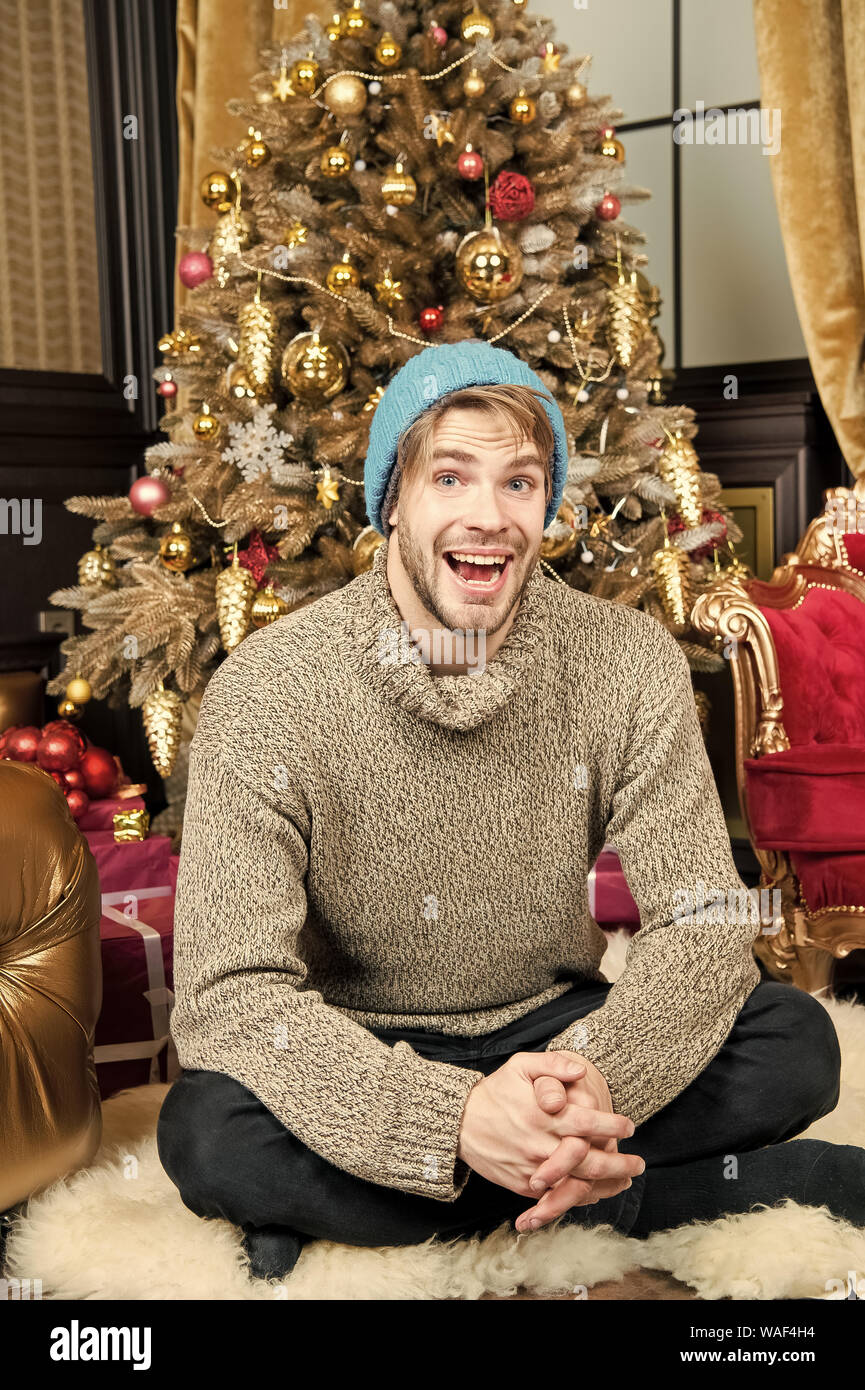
(482, 499)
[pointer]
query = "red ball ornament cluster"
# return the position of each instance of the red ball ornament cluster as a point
(148, 493)
(81, 771)
(512, 196)
(432, 319)
(439, 35)
(608, 208)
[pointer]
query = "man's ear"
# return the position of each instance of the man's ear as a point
(391, 520)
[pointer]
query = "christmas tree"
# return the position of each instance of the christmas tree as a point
(409, 175)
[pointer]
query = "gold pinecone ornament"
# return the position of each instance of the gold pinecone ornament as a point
(628, 319)
(257, 340)
(672, 571)
(162, 713)
(679, 466)
(235, 595)
(231, 235)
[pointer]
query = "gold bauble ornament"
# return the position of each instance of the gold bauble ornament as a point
(520, 4)
(237, 383)
(354, 21)
(235, 595)
(162, 713)
(679, 467)
(336, 29)
(96, 566)
(477, 25)
(175, 549)
(255, 151)
(78, 691)
(388, 51)
(218, 190)
(489, 267)
(614, 149)
(342, 276)
(563, 540)
(67, 709)
(398, 186)
(267, 607)
(335, 162)
(345, 95)
(257, 341)
(205, 426)
(523, 108)
(304, 75)
(365, 545)
(315, 368)
(671, 569)
(474, 85)
(576, 95)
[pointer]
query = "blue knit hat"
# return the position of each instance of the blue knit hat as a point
(424, 379)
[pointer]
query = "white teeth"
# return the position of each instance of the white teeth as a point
(479, 559)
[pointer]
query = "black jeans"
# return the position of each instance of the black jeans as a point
(716, 1149)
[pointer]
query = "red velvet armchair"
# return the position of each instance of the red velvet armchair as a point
(797, 647)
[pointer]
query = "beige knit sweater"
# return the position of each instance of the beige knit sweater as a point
(366, 845)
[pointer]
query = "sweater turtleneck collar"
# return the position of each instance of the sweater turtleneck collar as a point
(455, 702)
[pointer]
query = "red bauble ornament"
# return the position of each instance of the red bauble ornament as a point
(431, 319)
(470, 164)
(146, 494)
(77, 801)
(99, 771)
(22, 743)
(195, 267)
(60, 750)
(439, 35)
(608, 208)
(512, 196)
(167, 389)
(60, 779)
(74, 778)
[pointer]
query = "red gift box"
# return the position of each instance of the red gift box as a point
(100, 814)
(611, 902)
(133, 1045)
(127, 866)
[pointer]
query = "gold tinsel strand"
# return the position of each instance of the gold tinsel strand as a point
(679, 466)
(162, 713)
(257, 341)
(235, 595)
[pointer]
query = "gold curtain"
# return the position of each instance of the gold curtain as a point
(218, 44)
(49, 266)
(812, 69)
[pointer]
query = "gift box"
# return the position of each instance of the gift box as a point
(100, 814)
(129, 865)
(611, 902)
(133, 1045)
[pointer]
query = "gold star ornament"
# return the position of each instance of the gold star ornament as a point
(327, 490)
(282, 88)
(295, 235)
(388, 291)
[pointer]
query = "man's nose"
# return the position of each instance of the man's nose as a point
(484, 509)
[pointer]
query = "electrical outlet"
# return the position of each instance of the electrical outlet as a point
(57, 620)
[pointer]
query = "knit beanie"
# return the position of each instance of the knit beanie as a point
(424, 379)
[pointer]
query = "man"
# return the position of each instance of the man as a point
(388, 1002)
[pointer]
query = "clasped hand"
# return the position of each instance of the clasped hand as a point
(543, 1126)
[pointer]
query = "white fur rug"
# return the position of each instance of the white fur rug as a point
(118, 1230)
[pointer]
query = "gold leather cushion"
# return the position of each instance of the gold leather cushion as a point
(50, 986)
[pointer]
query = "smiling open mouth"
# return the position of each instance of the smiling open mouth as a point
(478, 571)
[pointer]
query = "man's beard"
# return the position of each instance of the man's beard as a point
(420, 570)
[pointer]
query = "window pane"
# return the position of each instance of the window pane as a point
(649, 164)
(737, 304)
(631, 48)
(718, 53)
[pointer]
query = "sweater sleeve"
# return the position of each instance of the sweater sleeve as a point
(689, 968)
(384, 1114)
